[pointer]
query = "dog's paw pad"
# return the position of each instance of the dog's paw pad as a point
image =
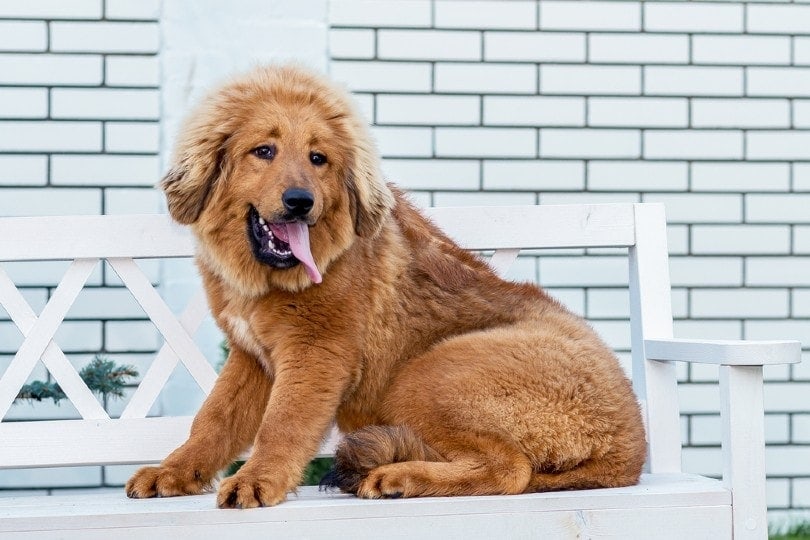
(164, 482)
(383, 483)
(243, 491)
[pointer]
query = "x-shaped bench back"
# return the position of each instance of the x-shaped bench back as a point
(85, 240)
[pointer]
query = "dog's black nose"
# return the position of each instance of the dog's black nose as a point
(298, 202)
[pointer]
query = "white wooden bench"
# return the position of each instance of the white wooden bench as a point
(666, 504)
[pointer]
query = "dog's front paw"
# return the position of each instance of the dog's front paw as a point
(246, 490)
(165, 482)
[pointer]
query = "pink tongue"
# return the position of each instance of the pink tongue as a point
(298, 237)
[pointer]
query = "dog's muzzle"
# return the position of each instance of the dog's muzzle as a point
(282, 244)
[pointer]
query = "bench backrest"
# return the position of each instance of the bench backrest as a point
(135, 438)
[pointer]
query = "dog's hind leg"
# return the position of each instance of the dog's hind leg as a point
(610, 470)
(391, 461)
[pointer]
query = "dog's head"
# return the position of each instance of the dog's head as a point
(277, 174)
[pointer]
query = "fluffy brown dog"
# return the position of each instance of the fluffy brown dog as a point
(341, 302)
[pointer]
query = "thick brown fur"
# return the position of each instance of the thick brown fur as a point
(448, 380)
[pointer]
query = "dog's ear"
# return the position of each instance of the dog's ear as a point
(198, 160)
(370, 197)
(188, 184)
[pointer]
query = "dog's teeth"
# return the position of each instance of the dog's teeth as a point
(266, 228)
(261, 220)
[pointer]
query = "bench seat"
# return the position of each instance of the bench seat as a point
(660, 501)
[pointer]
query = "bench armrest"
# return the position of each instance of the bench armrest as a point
(742, 413)
(723, 352)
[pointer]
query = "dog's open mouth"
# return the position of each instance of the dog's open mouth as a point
(281, 244)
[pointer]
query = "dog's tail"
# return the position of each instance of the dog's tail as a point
(369, 447)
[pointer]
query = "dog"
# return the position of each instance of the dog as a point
(342, 303)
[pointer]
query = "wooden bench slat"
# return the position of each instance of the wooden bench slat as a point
(531, 227)
(593, 512)
(76, 237)
(724, 352)
(54, 443)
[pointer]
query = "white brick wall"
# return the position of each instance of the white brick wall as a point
(428, 45)
(50, 136)
(787, 81)
(556, 15)
(699, 208)
(534, 46)
(693, 81)
(529, 174)
(428, 109)
(23, 36)
(131, 137)
(50, 69)
(486, 78)
(693, 144)
(590, 143)
(534, 111)
(739, 176)
(486, 142)
(23, 170)
(23, 102)
(105, 170)
(484, 14)
(697, 17)
(586, 79)
(411, 13)
(638, 112)
(740, 239)
(103, 103)
(107, 37)
(638, 48)
(637, 175)
(740, 113)
(700, 105)
(79, 111)
(383, 76)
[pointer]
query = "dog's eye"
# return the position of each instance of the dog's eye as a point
(316, 158)
(264, 151)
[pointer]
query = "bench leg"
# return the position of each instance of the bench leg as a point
(743, 430)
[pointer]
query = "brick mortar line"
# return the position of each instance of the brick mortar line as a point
(556, 31)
